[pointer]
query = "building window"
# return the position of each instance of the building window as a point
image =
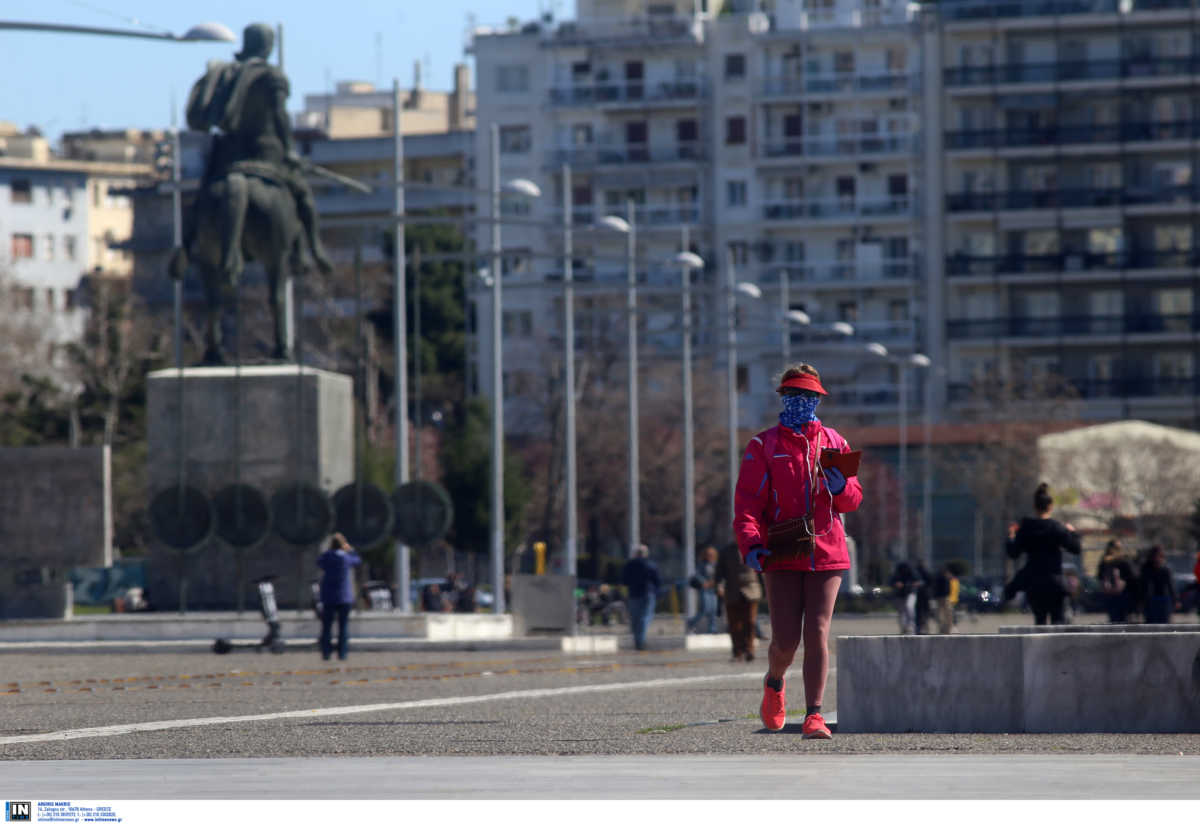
(51, 305)
(735, 66)
(898, 310)
(516, 139)
(97, 194)
(848, 311)
(739, 251)
(22, 246)
(743, 379)
(21, 190)
(71, 299)
(518, 324)
(735, 192)
(69, 246)
(48, 247)
(22, 298)
(512, 79)
(735, 131)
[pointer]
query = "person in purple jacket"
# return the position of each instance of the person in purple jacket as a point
(337, 563)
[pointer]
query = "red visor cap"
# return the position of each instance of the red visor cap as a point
(808, 382)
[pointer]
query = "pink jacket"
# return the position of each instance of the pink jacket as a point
(773, 486)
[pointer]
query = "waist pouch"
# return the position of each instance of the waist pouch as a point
(789, 540)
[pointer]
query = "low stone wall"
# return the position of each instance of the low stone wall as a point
(1021, 682)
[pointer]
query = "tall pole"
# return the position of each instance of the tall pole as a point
(177, 233)
(784, 277)
(569, 372)
(635, 525)
(903, 512)
(927, 479)
(689, 470)
(289, 282)
(731, 366)
(400, 320)
(418, 419)
(497, 389)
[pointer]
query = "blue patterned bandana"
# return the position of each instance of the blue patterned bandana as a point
(798, 410)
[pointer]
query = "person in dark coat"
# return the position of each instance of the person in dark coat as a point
(337, 564)
(1042, 539)
(642, 583)
(1158, 588)
(742, 591)
(1117, 582)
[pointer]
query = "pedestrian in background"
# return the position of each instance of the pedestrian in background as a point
(1116, 577)
(1158, 588)
(924, 585)
(337, 565)
(642, 583)
(904, 588)
(705, 582)
(782, 484)
(945, 595)
(1042, 540)
(740, 587)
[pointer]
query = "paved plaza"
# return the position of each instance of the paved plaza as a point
(403, 724)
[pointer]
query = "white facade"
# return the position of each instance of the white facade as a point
(785, 144)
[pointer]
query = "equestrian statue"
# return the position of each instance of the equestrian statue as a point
(254, 202)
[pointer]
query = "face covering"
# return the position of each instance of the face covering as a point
(798, 410)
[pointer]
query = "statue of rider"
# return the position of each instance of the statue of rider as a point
(246, 102)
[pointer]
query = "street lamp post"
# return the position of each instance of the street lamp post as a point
(687, 262)
(497, 507)
(569, 373)
(202, 33)
(628, 227)
(400, 321)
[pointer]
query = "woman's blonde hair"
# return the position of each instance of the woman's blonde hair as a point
(795, 370)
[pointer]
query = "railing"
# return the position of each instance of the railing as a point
(836, 83)
(654, 28)
(838, 271)
(1086, 389)
(1067, 325)
(838, 145)
(967, 265)
(1071, 70)
(1057, 135)
(646, 215)
(987, 9)
(1069, 198)
(636, 93)
(837, 208)
(887, 395)
(628, 154)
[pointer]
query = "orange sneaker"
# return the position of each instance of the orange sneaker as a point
(814, 727)
(773, 711)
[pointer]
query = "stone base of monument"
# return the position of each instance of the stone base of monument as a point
(1036, 682)
(266, 426)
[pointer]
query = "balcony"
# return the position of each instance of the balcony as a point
(839, 209)
(628, 155)
(1088, 389)
(616, 95)
(966, 10)
(1061, 199)
(652, 30)
(839, 146)
(842, 83)
(1072, 71)
(800, 275)
(1144, 131)
(1072, 325)
(647, 216)
(963, 265)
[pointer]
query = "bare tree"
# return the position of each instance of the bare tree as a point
(26, 339)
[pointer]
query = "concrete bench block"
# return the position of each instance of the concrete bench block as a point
(589, 644)
(720, 641)
(1020, 683)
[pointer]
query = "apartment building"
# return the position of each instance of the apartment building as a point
(1071, 144)
(783, 142)
(61, 219)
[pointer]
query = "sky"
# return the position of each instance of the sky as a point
(67, 82)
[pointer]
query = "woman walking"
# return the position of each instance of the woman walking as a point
(1158, 588)
(1043, 539)
(785, 499)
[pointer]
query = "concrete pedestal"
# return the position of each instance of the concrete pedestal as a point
(267, 426)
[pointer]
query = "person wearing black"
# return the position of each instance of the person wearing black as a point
(1158, 588)
(642, 583)
(904, 587)
(1042, 539)
(1116, 581)
(924, 583)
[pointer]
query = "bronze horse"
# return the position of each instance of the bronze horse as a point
(271, 234)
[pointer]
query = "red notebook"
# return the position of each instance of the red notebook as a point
(846, 462)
